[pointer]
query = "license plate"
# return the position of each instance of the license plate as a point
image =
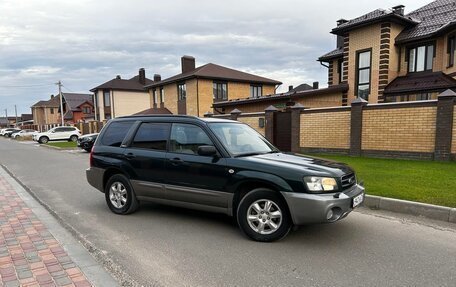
(357, 200)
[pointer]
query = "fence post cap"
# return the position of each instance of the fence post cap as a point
(447, 94)
(235, 111)
(208, 115)
(359, 101)
(298, 106)
(271, 108)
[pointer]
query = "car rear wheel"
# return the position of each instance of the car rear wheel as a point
(263, 215)
(120, 196)
(43, 140)
(74, 138)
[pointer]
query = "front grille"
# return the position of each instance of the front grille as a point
(348, 180)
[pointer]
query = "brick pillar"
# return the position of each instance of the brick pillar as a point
(444, 125)
(356, 126)
(269, 118)
(234, 114)
(296, 127)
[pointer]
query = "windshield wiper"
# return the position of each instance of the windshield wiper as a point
(255, 153)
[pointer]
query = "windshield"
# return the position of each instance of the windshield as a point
(241, 140)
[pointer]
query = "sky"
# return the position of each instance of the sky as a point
(86, 43)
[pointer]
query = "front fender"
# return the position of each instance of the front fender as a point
(247, 175)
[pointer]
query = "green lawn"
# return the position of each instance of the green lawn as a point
(63, 144)
(423, 181)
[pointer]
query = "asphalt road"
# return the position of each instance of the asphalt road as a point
(167, 246)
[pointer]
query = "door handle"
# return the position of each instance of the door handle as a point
(176, 161)
(130, 156)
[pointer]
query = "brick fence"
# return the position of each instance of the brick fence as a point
(412, 130)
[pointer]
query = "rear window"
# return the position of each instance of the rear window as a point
(115, 133)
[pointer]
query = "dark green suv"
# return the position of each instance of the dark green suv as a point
(220, 166)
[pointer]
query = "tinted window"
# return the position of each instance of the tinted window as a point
(187, 138)
(115, 133)
(59, 130)
(151, 136)
(68, 129)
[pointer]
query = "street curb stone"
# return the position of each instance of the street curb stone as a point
(437, 212)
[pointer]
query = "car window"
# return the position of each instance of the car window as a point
(151, 136)
(186, 138)
(115, 133)
(58, 130)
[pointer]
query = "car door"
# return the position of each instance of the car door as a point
(193, 178)
(145, 156)
(56, 134)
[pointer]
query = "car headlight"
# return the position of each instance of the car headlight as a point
(318, 184)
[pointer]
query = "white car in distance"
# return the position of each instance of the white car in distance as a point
(58, 134)
(24, 133)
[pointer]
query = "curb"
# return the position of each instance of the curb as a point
(431, 211)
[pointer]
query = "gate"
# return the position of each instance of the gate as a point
(282, 130)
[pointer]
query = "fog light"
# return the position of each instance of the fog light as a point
(330, 214)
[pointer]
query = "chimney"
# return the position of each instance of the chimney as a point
(340, 39)
(142, 76)
(52, 96)
(157, 78)
(315, 85)
(399, 9)
(118, 77)
(187, 63)
(290, 88)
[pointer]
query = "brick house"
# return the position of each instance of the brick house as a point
(77, 107)
(390, 56)
(120, 97)
(46, 112)
(196, 89)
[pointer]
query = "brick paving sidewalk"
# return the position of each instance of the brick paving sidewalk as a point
(29, 254)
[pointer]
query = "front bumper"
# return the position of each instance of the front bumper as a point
(94, 177)
(306, 208)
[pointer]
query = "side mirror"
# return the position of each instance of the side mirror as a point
(207, 150)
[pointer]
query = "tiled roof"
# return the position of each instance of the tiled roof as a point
(217, 72)
(155, 111)
(371, 17)
(73, 100)
(285, 96)
(433, 18)
(26, 117)
(336, 53)
(420, 82)
(52, 103)
(132, 84)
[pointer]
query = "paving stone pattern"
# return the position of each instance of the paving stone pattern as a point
(29, 254)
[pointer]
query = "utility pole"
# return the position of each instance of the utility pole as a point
(15, 112)
(59, 83)
(6, 116)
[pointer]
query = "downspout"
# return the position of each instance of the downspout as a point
(113, 114)
(276, 87)
(321, 63)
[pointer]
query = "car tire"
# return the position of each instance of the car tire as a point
(88, 149)
(43, 140)
(263, 215)
(73, 138)
(119, 195)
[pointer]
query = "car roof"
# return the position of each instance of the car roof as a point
(173, 118)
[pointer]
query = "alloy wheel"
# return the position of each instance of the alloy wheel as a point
(264, 216)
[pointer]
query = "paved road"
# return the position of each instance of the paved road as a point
(166, 246)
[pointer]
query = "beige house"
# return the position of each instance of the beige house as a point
(389, 56)
(119, 97)
(196, 89)
(46, 112)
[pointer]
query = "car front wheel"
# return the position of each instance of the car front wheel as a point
(263, 215)
(43, 140)
(120, 196)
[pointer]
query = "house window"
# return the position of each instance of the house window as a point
(155, 93)
(340, 70)
(423, 96)
(363, 74)
(106, 99)
(162, 95)
(420, 58)
(86, 110)
(181, 91)
(256, 91)
(52, 111)
(220, 91)
(451, 48)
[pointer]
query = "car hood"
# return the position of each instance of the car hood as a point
(89, 135)
(301, 162)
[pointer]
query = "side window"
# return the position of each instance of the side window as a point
(187, 138)
(115, 133)
(151, 136)
(59, 130)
